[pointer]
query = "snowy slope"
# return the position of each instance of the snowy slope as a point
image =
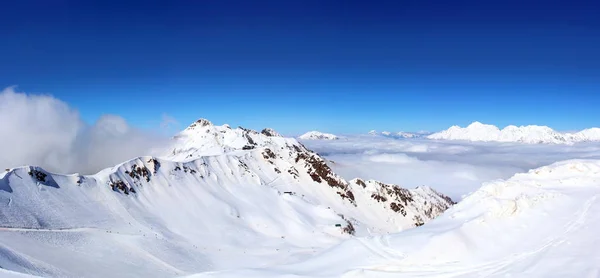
(590, 134)
(316, 135)
(531, 134)
(164, 219)
(220, 198)
(542, 223)
(294, 168)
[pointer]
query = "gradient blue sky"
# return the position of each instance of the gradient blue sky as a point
(337, 66)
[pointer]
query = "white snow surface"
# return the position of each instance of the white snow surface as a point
(316, 135)
(542, 223)
(531, 134)
(219, 199)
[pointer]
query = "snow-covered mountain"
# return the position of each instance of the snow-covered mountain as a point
(316, 135)
(531, 134)
(543, 223)
(293, 167)
(586, 135)
(219, 198)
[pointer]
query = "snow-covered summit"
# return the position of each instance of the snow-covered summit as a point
(590, 134)
(531, 134)
(203, 138)
(316, 135)
(199, 123)
(270, 132)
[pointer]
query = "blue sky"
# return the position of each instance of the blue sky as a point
(336, 66)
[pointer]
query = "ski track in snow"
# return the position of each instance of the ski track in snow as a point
(13, 229)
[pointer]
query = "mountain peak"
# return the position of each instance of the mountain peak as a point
(316, 135)
(270, 132)
(200, 123)
(477, 124)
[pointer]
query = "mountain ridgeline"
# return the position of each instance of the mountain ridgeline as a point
(217, 192)
(530, 134)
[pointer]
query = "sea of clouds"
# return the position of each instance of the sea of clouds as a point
(455, 168)
(44, 131)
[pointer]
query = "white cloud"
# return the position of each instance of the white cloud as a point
(42, 130)
(454, 168)
(168, 122)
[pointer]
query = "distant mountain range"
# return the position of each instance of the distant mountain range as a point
(531, 134)
(478, 132)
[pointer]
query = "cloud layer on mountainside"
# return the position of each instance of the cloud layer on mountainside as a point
(452, 167)
(45, 131)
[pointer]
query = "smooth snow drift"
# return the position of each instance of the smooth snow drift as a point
(316, 135)
(530, 134)
(543, 223)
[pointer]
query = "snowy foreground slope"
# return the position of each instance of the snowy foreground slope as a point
(220, 198)
(543, 223)
(531, 134)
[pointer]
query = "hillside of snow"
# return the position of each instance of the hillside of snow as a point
(294, 168)
(542, 223)
(316, 135)
(219, 198)
(530, 134)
